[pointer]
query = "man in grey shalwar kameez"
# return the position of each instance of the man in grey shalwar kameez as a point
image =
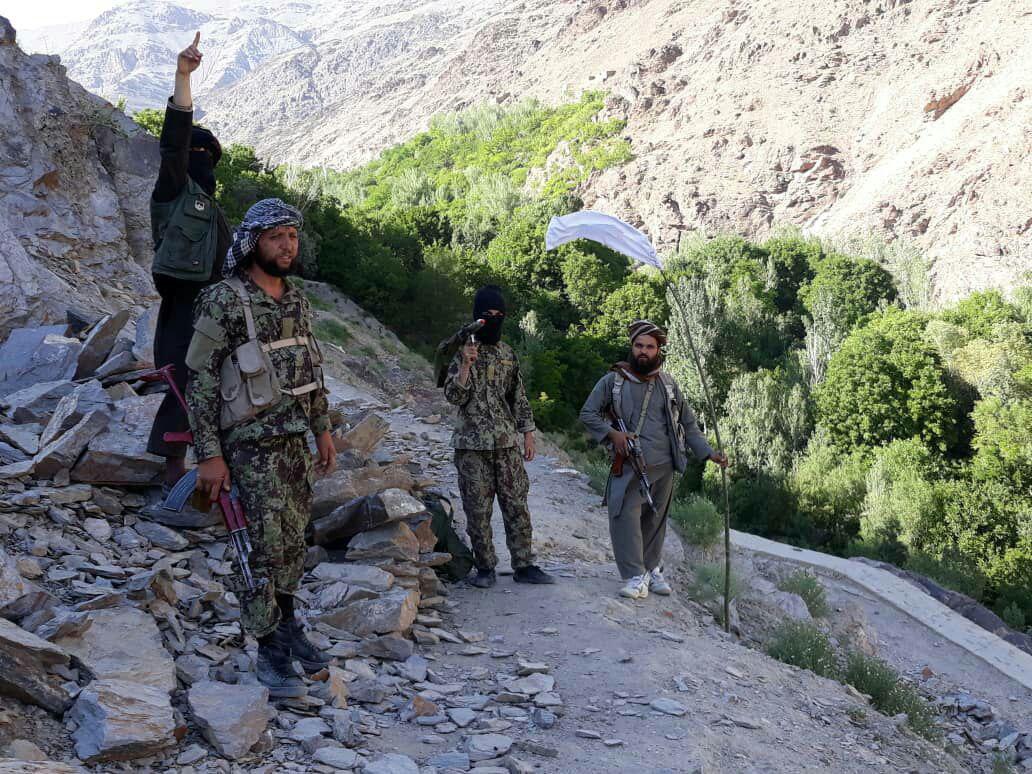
(664, 430)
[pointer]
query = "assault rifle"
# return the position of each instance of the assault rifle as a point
(636, 458)
(229, 502)
(446, 349)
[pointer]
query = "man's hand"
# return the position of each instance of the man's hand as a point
(327, 461)
(213, 476)
(190, 57)
(619, 441)
(719, 458)
(529, 446)
(470, 353)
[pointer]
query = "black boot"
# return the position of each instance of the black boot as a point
(311, 658)
(275, 670)
(484, 579)
(532, 574)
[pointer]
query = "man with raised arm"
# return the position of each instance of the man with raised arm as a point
(255, 391)
(663, 427)
(495, 421)
(190, 237)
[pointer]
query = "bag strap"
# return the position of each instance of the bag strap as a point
(618, 384)
(245, 298)
(645, 407)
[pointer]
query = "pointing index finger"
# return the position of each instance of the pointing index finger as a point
(197, 38)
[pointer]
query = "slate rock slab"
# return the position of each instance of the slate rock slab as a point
(231, 717)
(25, 662)
(121, 721)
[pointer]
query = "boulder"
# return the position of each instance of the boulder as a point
(25, 663)
(62, 453)
(119, 455)
(120, 721)
(18, 597)
(399, 504)
(392, 541)
(32, 355)
(362, 575)
(86, 397)
(340, 758)
(346, 485)
(231, 717)
(99, 343)
(124, 643)
(393, 611)
(24, 437)
(387, 647)
(37, 402)
(29, 292)
(143, 346)
(365, 436)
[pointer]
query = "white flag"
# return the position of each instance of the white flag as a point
(605, 229)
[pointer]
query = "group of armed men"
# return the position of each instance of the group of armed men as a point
(238, 332)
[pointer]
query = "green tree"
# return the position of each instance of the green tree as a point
(902, 504)
(794, 259)
(855, 288)
(981, 312)
(886, 382)
(641, 297)
(150, 119)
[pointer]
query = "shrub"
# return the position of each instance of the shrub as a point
(708, 583)
(829, 490)
(700, 521)
(803, 645)
(890, 695)
(981, 312)
(807, 586)
(901, 503)
(885, 383)
(950, 570)
(331, 330)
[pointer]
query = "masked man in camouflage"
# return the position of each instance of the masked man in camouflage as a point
(484, 382)
(664, 428)
(255, 390)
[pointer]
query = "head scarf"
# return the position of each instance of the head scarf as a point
(266, 214)
(201, 165)
(646, 328)
(487, 298)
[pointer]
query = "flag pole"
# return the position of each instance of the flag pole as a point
(712, 412)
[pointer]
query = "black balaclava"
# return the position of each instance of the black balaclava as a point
(487, 298)
(202, 163)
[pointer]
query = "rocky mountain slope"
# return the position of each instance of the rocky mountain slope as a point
(75, 179)
(905, 118)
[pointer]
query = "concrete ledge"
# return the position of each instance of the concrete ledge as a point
(1007, 659)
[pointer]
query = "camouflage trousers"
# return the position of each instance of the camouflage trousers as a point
(274, 479)
(483, 475)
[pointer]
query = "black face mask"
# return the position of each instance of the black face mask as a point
(491, 333)
(202, 171)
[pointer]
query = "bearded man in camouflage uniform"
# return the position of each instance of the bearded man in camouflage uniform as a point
(262, 451)
(484, 382)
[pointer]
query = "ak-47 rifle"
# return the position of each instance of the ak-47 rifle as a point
(229, 502)
(636, 458)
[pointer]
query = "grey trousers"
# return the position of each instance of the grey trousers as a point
(636, 529)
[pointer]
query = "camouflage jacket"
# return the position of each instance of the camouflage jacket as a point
(493, 408)
(219, 328)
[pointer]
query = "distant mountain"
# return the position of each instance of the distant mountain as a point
(903, 117)
(129, 52)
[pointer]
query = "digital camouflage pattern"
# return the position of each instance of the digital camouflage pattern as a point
(268, 456)
(494, 412)
(219, 328)
(274, 479)
(482, 476)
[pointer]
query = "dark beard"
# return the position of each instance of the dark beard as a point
(271, 267)
(643, 368)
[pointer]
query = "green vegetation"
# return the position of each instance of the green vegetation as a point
(807, 586)
(708, 583)
(859, 420)
(331, 330)
(802, 644)
(701, 523)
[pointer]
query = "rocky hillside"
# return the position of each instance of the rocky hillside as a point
(906, 118)
(75, 179)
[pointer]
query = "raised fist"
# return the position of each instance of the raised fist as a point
(190, 57)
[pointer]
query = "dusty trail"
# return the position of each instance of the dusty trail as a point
(611, 658)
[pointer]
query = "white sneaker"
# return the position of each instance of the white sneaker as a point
(636, 587)
(658, 584)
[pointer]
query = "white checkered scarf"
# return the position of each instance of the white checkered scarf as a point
(266, 214)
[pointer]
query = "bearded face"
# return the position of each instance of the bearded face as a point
(645, 354)
(277, 251)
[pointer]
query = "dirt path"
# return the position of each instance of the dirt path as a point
(611, 658)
